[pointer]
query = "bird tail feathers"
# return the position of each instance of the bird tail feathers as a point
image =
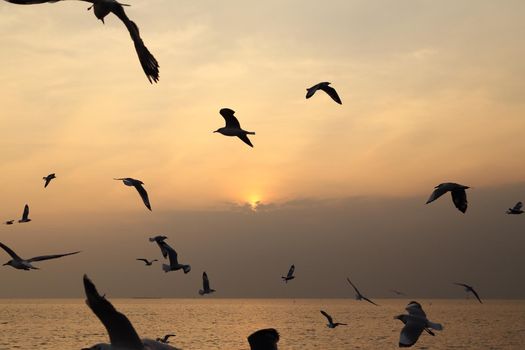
(250, 133)
(186, 268)
(436, 326)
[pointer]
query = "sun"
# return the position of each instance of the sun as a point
(254, 202)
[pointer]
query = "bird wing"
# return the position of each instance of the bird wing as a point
(411, 332)
(30, 2)
(462, 285)
(328, 317)
(518, 206)
(438, 192)
(370, 301)
(231, 121)
(476, 294)
(205, 282)
(290, 272)
(167, 336)
(143, 194)
(331, 92)
(49, 257)
(172, 254)
(145, 260)
(120, 330)
(147, 61)
(459, 197)
(355, 288)
(10, 252)
(48, 180)
(25, 214)
(245, 139)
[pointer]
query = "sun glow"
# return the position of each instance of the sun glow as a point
(254, 201)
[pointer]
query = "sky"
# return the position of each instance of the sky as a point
(432, 92)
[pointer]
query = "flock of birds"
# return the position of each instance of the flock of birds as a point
(121, 333)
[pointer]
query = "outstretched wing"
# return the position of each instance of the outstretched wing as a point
(459, 197)
(231, 121)
(331, 92)
(291, 271)
(370, 301)
(147, 61)
(518, 206)
(411, 332)
(245, 139)
(10, 252)
(438, 192)
(145, 260)
(143, 194)
(25, 214)
(120, 330)
(328, 317)
(476, 295)
(205, 281)
(355, 288)
(49, 257)
(172, 254)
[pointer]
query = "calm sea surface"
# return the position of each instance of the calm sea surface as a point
(67, 324)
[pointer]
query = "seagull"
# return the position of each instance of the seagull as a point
(396, 292)
(358, 295)
(459, 196)
(324, 86)
(233, 127)
(205, 285)
(159, 240)
(290, 275)
(516, 209)
(25, 264)
(331, 323)
(174, 262)
(264, 339)
(9, 222)
(147, 262)
(470, 289)
(122, 335)
(102, 8)
(128, 181)
(165, 339)
(48, 179)
(25, 215)
(415, 323)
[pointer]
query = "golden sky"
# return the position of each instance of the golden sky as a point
(432, 92)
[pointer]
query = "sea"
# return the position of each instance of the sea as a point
(208, 323)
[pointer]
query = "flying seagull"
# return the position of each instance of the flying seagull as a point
(159, 239)
(174, 262)
(25, 215)
(396, 292)
(233, 127)
(264, 339)
(470, 289)
(165, 339)
(331, 323)
(358, 295)
(147, 262)
(9, 222)
(516, 210)
(128, 181)
(102, 8)
(290, 275)
(122, 335)
(459, 196)
(48, 179)
(25, 264)
(324, 86)
(205, 285)
(415, 323)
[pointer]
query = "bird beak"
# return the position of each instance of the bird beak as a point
(102, 19)
(5, 264)
(215, 131)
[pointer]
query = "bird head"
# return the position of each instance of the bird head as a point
(100, 9)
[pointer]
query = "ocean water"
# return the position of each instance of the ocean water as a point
(201, 324)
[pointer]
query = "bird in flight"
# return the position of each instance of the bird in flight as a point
(398, 293)
(331, 323)
(147, 262)
(128, 181)
(25, 215)
(290, 275)
(233, 127)
(159, 239)
(205, 285)
(102, 8)
(9, 222)
(165, 338)
(173, 257)
(264, 339)
(324, 86)
(25, 264)
(122, 335)
(516, 210)
(48, 179)
(469, 289)
(415, 323)
(358, 294)
(459, 196)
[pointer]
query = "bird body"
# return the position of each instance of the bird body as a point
(324, 86)
(128, 181)
(415, 323)
(459, 196)
(233, 127)
(25, 264)
(290, 275)
(205, 285)
(48, 179)
(516, 210)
